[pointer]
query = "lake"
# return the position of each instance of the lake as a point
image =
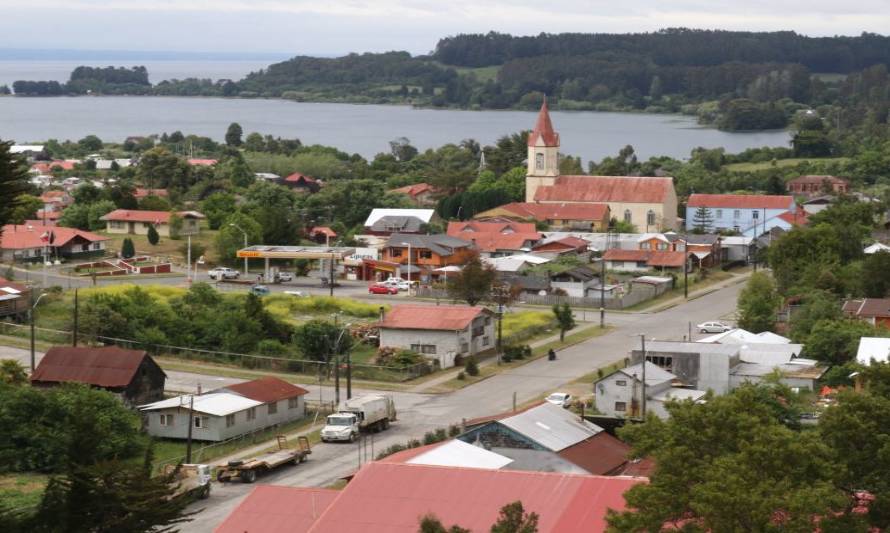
(362, 129)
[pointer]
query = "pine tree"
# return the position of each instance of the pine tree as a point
(13, 182)
(233, 134)
(153, 236)
(128, 250)
(702, 220)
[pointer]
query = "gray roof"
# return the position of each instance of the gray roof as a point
(690, 347)
(529, 283)
(692, 238)
(538, 461)
(394, 223)
(577, 273)
(552, 426)
(789, 369)
(655, 375)
(440, 244)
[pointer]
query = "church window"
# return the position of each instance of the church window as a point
(627, 216)
(539, 161)
(650, 218)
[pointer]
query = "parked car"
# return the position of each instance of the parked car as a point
(399, 283)
(562, 399)
(713, 327)
(259, 290)
(379, 288)
(297, 294)
(285, 276)
(223, 273)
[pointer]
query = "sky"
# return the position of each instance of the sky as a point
(334, 27)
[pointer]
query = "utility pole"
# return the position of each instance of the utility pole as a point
(603, 290)
(643, 402)
(188, 260)
(188, 446)
(31, 319)
(331, 274)
(686, 267)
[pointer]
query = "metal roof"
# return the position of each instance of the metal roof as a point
(771, 354)
(538, 461)
(274, 509)
(551, 426)
(741, 336)
(689, 347)
(678, 393)
(876, 348)
(106, 366)
(425, 215)
(792, 370)
(654, 373)
(214, 403)
(459, 453)
(267, 389)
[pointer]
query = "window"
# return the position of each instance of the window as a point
(539, 161)
(478, 332)
(251, 413)
(736, 214)
(621, 383)
(485, 341)
(662, 246)
(661, 361)
(627, 215)
(650, 218)
(395, 252)
(167, 420)
(230, 420)
(755, 214)
(424, 254)
(273, 408)
(645, 246)
(201, 422)
(424, 348)
(293, 403)
(621, 407)
(488, 321)
(718, 213)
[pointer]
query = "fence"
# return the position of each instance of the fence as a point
(304, 367)
(640, 293)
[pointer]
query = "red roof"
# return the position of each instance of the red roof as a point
(799, 217)
(493, 236)
(142, 193)
(202, 162)
(415, 189)
(600, 189)
(55, 196)
(391, 498)
(296, 177)
(267, 389)
(557, 211)
(543, 129)
(273, 509)
(490, 227)
(566, 243)
(46, 167)
(23, 237)
(616, 254)
(601, 454)
(868, 307)
(107, 366)
(741, 201)
(12, 285)
(437, 317)
(324, 230)
(152, 217)
(816, 180)
(653, 258)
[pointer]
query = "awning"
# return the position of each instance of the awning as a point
(701, 255)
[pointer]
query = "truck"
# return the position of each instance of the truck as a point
(370, 412)
(248, 470)
(190, 480)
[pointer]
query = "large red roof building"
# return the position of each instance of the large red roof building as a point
(29, 242)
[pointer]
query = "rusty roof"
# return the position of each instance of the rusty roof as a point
(600, 189)
(554, 211)
(272, 509)
(741, 201)
(666, 258)
(601, 454)
(868, 307)
(434, 317)
(105, 366)
(267, 389)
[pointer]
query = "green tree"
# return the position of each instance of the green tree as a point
(76, 216)
(473, 283)
(217, 207)
(758, 304)
(230, 239)
(12, 372)
(25, 208)
(401, 149)
(565, 318)
(154, 203)
(96, 211)
(175, 226)
(876, 275)
(13, 181)
(730, 464)
(153, 236)
(836, 341)
(254, 142)
(160, 169)
(234, 169)
(319, 340)
(128, 250)
(274, 207)
(514, 519)
(233, 134)
(817, 305)
(430, 524)
(90, 143)
(702, 220)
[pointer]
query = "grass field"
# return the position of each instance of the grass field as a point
(166, 247)
(483, 74)
(21, 490)
(766, 165)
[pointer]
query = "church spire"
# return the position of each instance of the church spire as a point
(544, 129)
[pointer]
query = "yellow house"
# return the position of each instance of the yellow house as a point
(134, 222)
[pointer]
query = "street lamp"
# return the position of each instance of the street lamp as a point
(31, 317)
(336, 355)
(408, 244)
(236, 226)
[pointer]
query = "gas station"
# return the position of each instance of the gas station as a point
(324, 253)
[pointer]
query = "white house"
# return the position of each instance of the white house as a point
(620, 394)
(745, 213)
(441, 333)
(873, 348)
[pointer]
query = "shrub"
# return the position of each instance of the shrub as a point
(461, 376)
(128, 250)
(153, 236)
(471, 368)
(453, 430)
(517, 352)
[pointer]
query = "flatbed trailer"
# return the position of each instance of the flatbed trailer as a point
(248, 470)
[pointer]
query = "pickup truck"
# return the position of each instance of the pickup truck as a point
(219, 273)
(190, 480)
(371, 412)
(248, 470)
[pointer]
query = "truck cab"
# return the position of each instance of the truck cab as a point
(340, 427)
(190, 479)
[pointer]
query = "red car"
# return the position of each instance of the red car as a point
(382, 289)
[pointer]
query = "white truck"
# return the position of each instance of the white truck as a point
(370, 412)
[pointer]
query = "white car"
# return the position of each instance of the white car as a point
(400, 284)
(285, 276)
(297, 294)
(562, 399)
(223, 273)
(713, 327)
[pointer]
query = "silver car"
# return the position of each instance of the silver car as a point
(713, 327)
(562, 399)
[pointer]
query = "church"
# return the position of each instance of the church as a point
(649, 203)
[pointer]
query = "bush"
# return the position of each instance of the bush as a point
(461, 376)
(517, 352)
(454, 430)
(153, 236)
(471, 368)
(128, 250)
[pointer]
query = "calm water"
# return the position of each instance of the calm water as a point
(363, 129)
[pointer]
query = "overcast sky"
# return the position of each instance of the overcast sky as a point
(340, 26)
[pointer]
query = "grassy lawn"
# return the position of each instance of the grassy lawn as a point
(166, 247)
(754, 167)
(21, 490)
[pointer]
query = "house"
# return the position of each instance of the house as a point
(819, 203)
(575, 281)
(131, 374)
(135, 222)
(228, 412)
(873, 349)
(817, 185)
(392, 497)
(442, 333)
(646, 202)
(107, 164)
(28, 150)
(875, 248)
(496, 239)
(302, 183)
(548, 438)
(141, 193)
(554, 247)
(268, 176)
(29, 242)
(56, 200)
(563, 216)
(736, 248)
(644, 260)
(417, 255)
(748, 214)
(799, 374)
(322, 235)
(419, 193)
(528, 285)
(49, 166)
(385, 222)
(875, 311)
(741, 336)
(515, 264)
(15, 298)
(621, 393)
(705, 250)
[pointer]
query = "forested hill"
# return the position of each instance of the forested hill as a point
(673, 47)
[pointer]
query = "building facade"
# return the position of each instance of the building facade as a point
(135, 222)
(744, 213)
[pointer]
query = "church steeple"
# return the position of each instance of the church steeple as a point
(543, 154)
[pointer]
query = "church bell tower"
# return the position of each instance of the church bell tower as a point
(543, 154)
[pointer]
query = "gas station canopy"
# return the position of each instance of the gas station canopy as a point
(295, 252)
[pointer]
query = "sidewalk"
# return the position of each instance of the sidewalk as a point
(448, 376)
